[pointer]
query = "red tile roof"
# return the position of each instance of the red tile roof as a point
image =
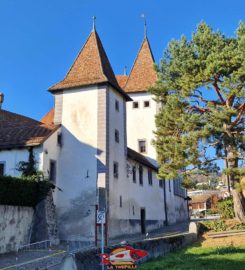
(18, 131)
(122, 79)
(142, 75)
(48, 118)
(90, 67)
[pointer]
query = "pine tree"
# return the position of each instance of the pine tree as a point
(201, 86)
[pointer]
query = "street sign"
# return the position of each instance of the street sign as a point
(101, 217)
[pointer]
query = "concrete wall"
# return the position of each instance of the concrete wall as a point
(15, 226)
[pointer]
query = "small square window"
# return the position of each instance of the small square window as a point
(142, 146)
(150, 177)
(117, 105)
(116, 136)
(2, 169)
(135, 105)
(146, 103)
(115, 169)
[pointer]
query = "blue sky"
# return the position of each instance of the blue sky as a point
(41, 38)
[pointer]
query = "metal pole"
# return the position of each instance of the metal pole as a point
(102, 242)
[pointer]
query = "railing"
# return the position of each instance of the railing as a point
(37, 246)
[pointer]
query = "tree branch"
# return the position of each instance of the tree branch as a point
(217, 89)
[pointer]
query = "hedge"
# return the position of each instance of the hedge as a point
(23, 191)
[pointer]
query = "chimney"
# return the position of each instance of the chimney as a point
(1, 100)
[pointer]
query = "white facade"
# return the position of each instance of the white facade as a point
(141, 123)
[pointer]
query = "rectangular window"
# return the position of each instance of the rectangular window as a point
(135, 105)
(116, 136)
(146, 103)
(52, 171)
(115, 169)
(59, 139)
(142, 146)
(141, 175)
(169, 185)
(134, 174)
(117, 105)
(120, 202)
(150, 177)
(2, 169)
(161, 183)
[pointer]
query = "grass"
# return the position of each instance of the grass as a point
(200, 258)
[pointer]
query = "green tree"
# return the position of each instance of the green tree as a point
(201, 86)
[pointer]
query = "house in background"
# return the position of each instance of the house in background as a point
(95, 144)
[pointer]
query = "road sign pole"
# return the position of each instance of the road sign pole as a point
(102, 243)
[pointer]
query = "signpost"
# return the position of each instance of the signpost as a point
(101, 220)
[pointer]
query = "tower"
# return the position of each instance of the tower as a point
(141, 111)
(90, 106)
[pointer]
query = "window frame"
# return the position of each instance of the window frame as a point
(116, 166)
(150, 177)
(134, 174)
(116, 105)
(52, 161)
(144, 102)
(145, 146)
(117, 136)
(135, 102)
(141, 175)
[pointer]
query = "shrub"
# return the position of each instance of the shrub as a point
(226, 209)
(214, 225)
(24, 191)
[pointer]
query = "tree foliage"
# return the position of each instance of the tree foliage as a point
(201, 86)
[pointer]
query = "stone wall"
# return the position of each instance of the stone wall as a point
(90, 260)
(15, 227)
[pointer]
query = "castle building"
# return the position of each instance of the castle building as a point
(96, 146)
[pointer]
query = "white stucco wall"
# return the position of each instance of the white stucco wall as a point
(126, 219)
(77, 163)
(141, 123)
(11, 159)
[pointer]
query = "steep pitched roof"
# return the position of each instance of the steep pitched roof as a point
(142, 75)
(122, 79)
(90, 67)
(140, 158)
(20, 131)
(48, 118)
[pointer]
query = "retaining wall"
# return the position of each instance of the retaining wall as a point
(15, 226)
(90, 260)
